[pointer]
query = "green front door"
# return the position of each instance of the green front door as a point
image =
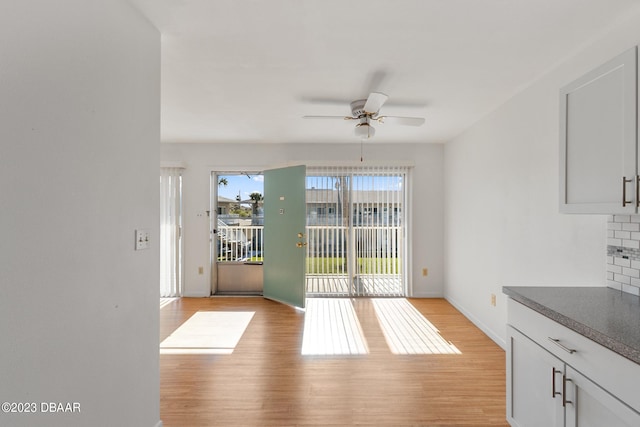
(284, 235)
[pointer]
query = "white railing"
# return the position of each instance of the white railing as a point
(239, 242)
(326, 250)
(376, 250)
(358, 219)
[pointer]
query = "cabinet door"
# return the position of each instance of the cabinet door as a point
(598, 116)
(534, 383)
(591, 406)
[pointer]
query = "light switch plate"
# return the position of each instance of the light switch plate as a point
(142, 239)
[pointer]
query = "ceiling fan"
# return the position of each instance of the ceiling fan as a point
(366, 111)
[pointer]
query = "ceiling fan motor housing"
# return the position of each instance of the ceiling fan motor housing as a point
(357, 108)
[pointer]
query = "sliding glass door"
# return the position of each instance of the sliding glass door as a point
(356, 227)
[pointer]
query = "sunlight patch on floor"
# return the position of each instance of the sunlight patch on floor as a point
(407, 331)
(167, 301)
(208, 332)
(331, 327)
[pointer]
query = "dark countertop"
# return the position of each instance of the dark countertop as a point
(609, 317)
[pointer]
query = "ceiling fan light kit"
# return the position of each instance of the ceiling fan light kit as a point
(364, 131)
(366, 110)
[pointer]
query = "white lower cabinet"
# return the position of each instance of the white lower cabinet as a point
(567, 381)
(533, 377)
(592, 406)
(543, 391)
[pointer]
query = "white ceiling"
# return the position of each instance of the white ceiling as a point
(248, 70)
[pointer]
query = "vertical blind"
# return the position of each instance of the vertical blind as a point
(170, 232)
(356, 230)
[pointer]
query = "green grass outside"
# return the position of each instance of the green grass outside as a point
(366, 265)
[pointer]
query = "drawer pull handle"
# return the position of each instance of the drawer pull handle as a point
(554, 371)
(559, 344)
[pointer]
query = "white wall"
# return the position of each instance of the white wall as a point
(79, 155)
(501, 198)
(201, 159)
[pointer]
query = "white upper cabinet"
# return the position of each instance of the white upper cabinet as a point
(598, 140)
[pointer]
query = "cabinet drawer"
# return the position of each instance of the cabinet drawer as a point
(616, 374)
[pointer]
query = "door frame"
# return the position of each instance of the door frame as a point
(214, 173)
(406, 260)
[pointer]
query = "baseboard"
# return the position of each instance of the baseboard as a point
(426, 295)
(488, 331)
(196, 295)
(159, 424)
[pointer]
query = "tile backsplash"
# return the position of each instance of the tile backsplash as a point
(623, 253)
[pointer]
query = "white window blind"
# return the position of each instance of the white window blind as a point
(170, 232)
(356, 220)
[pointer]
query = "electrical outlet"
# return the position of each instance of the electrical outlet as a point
(425, 271)
(493, 300)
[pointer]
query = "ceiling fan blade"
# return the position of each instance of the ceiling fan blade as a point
(375, 80)
(374, 102)
(406, 121)
(328, 117)
(325, 100)
(395, 102)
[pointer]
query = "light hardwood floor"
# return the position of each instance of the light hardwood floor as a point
(267, 382)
